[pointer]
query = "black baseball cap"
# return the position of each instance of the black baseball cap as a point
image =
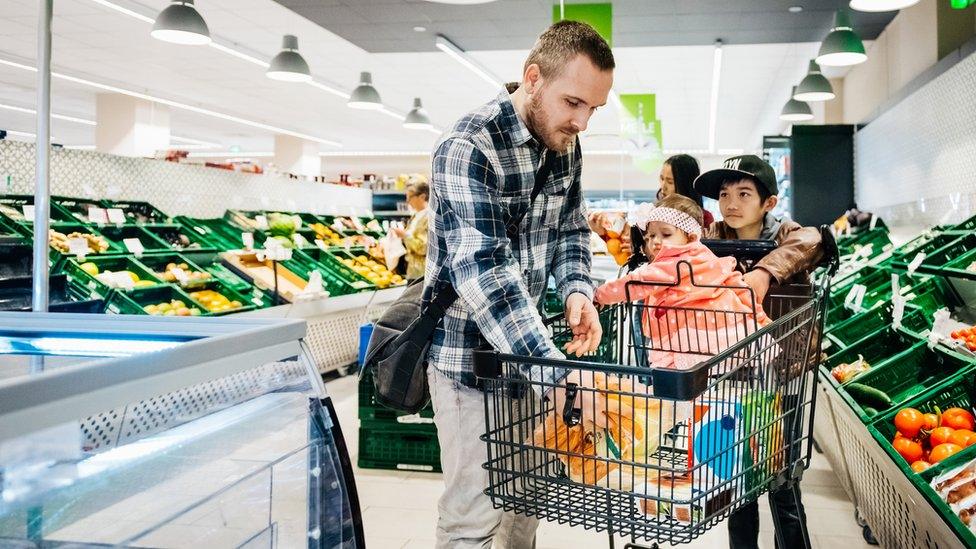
(738, 167)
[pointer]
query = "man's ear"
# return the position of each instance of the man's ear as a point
(532, 78)
(770, 203)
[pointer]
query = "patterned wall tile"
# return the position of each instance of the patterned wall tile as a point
(177, 189)
(915, 165)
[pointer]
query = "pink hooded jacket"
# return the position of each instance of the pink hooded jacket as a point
(686, 323)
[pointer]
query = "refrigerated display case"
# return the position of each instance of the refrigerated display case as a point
(778, 152)
(162, 432)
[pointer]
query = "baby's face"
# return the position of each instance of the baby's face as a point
(658, 234)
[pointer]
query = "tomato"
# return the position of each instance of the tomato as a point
(920, 466)
(954, 335)
(971, 345)
(908, 449)
(957, 418)
(943, 451)
(961, 437)
(931, 422)
(940, 435)
(909, 422)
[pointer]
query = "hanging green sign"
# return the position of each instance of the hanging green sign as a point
(599, 16)
(640, 131)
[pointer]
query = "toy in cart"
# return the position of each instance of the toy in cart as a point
(683, 446)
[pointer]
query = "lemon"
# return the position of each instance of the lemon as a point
(89, 268)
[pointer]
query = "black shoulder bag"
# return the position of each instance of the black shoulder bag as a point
(397, 351)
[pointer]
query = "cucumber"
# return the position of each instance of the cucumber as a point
(868, 396)
(870, 412)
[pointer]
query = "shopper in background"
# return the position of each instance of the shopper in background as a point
(484, 171)
(746, 190)
(414, 236)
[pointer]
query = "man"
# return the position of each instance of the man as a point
(484, 171)
(746, 190)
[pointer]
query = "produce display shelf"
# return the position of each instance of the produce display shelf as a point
(134, 302)
(138, 212)
(178, 238)
(232, 295)
(875, 348)
(931, 248)
(336, 277)
(77, 208)
(210, 262)
(878, 238)
(107, 263)
(11, 207)
(936, 261)
(69, 228)
(120, 233)
(218, 232)
(864, 325)
(158, 263)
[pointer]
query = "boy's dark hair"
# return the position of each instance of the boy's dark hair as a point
(761, 189)
(563, 41)
(685, 170)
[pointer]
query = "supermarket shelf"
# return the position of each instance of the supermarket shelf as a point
(328, 306)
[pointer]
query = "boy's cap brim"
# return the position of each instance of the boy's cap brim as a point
(709, 184)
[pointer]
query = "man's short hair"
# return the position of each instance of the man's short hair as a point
(760, 188)
(562, 42)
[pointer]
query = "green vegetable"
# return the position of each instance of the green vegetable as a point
(281, 225)
(871, 412)
(868, 396)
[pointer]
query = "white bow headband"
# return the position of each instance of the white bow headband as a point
(648, 212)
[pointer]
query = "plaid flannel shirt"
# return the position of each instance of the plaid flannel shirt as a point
(483, 174)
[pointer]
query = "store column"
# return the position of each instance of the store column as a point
(297, 156)
(130, 127)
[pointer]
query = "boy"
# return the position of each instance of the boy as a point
(746, 190)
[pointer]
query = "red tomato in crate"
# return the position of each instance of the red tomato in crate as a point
(920, 466)
(962, 437)
(958, 418)
(940, 435)
(931, 422)
(908, 449)
(943, 451)
(909, 422)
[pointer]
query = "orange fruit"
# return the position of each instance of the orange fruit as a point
(943, 451)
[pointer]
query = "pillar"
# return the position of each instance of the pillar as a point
(296, 155)
(128, 126)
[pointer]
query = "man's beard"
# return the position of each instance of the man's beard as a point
(537, 120)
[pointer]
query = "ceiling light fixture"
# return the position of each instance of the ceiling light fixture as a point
(417, 119)
(881, 5)
(289, 65)
(365, 95)
(55, 116)
(176, 104)
(181, 23)
(795, 9)
(713, 99)
(814, 86)
(450, 48)
(842, 47)
(795, 111)
(419, 28)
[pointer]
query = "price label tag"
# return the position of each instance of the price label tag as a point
(180, 275)
(28, 210)
(78, 247)
(134, 245)
(261, 221)
(855, 297)
(97, 215)
(874, 222)
(914, 265)
(248, 240)
(122, 280)
(116, 215)
(257, 301)
(898, 311)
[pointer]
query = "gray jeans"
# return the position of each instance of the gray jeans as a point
(467, 518)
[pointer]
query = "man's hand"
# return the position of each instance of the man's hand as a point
(592, 404)
(584, 321)
(758, 280)
(597, 222)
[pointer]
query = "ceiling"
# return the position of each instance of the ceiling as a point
(101, 45)
(382, 26)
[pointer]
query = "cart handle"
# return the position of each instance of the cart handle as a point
(571, 414)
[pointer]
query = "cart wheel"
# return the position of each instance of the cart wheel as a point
(635, 546)
(868, 536)
(859, 519)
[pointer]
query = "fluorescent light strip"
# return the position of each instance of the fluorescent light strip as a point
(177, 105)
(713, 103)
(229, 154)
(334, 90)
(57, 116)
(192, 141)
(450, 48)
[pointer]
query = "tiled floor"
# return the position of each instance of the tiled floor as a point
(400, 508)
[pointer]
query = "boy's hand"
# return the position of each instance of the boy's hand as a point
(758, 280)
(584, 320)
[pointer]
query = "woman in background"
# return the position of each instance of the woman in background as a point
(415, 235)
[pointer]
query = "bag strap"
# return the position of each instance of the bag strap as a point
(447, 295)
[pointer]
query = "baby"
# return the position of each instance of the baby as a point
(695, 303)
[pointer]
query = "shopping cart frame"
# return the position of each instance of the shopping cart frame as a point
(612, 509)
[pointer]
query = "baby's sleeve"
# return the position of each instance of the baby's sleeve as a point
(618, 291)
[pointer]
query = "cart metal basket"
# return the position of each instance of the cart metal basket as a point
(683, 446)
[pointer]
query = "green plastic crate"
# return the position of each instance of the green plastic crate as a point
(960, 391)
(859, 327)
(179, 238)
(340, 254)
(881, 345)
(138, 212)
(935, 261)
(907, 251)
(336, 277)
(878, 238)
(157, 263)
(907, 374)
(14, 209)
(958, 267)
(967, 225)
(77, 207)
(119, 233)
(219, 232)
(229, 293)
(399, 446)
(930, 248)
(68, 228)
(132, 302)
(81, 285)
(210, 261)
(114, 263)
(370, 410)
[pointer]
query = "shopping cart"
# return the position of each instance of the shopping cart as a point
(683, 447)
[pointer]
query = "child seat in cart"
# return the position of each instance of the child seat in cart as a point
(684, 446)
